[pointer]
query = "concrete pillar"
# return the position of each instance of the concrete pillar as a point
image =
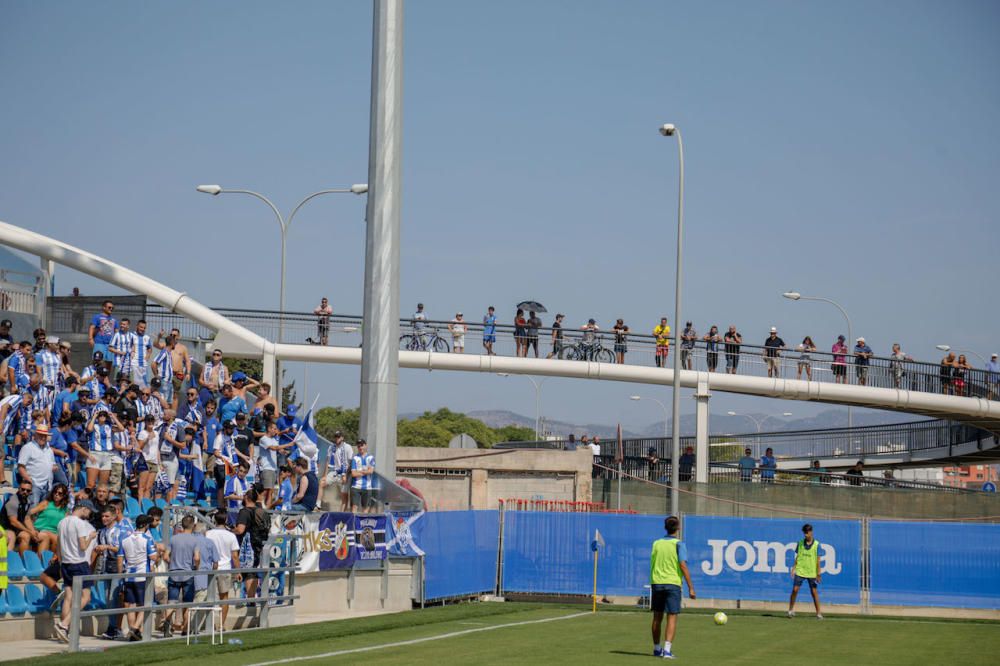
(478, 492)
(270, 374)
(45, 290)
(701, 396)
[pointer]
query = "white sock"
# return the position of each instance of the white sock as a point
(666, 645)
(659, 646)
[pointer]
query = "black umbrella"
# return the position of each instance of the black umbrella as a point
(532, 306)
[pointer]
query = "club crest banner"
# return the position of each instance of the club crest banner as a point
(369, 538)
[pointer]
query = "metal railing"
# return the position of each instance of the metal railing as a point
(25, 295)
(150, 606)
(834, 443)
(640, 348)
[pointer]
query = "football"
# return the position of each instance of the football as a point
(721, 618)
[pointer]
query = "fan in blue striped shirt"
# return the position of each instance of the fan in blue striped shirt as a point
(101, 432)
(122, 347)
(143, 351)
(50, 363)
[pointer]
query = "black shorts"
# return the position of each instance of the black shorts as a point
(53, 571)
(71, 571)
(219, 473)
(666, 598)
(135, 592)
(839, 370)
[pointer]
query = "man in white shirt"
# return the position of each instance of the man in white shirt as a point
(77, 538)
(337, 470)
(227, 550)
(37, 462)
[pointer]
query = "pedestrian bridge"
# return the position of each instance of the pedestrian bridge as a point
(903, 386)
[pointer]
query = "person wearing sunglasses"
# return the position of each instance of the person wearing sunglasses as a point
(103, 326)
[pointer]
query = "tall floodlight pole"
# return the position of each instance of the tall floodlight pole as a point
(380, 333)
(675, 449)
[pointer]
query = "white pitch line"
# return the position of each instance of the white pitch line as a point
(415, 641)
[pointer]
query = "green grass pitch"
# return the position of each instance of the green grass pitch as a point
(473, 634)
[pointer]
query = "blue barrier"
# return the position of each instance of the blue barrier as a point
(935, 564)
(751, 558)
(550, 552)
(460, 550)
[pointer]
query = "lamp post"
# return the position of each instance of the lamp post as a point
(796, 296)
(670, 129)
(666, 412)
(538, 399)
(759, 423)
(947, 348)
(284, 224)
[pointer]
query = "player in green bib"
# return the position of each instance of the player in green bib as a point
(806, 570)
(667, 566)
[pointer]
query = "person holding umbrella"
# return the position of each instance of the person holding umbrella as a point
(528, 327)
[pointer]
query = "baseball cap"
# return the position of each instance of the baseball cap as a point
(241, 416)
(239, 377)
(340, 434)
(6, 322)
(86, 504)
(860, 340)
(98, 356)
(841, 338)
(291, 410)
(591, 321)
(229, 424)
(51, 340)
(4, 343)
(993, 355)
(774, 329)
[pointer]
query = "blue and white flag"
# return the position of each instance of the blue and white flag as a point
(598, 541)
(306, 440)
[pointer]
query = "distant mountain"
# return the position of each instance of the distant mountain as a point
(498, 418)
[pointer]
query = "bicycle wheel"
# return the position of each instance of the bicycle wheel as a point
(570, 353)
(604, 356)
(408, 343)
(440, 346)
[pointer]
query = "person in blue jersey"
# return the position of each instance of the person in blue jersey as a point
(490, 330)
(231, 404)
(100, 428)
(162, 368)
(122, 348)
(237, 486)
(286, 490)
(50, 364)
(143, 356)
(102, 327)
(63, 401)
(288, 426)
(136, 554)
(60, 449)
(363, 477)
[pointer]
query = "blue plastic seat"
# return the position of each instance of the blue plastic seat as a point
(146, 504)
(35, 597)
(16, 605)
(15, 566)
(205, 504)
(98, 596)
(3, 604)
(32, 565)
(160, 502)
(47, 556)
(132, 507)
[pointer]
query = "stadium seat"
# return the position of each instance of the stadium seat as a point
(189, 501)
(3, 604)
(34, 596)
(160, 502)
(47, 556)
(132, 507)
(32, 565)
(15, 566)
(16, 605)
(98, 596)
(204, 504)
(146, 505)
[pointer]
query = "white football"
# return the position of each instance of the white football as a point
(721, 618)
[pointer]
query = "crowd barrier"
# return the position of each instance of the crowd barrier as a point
(863, 562)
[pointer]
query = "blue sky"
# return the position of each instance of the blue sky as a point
(846, 150)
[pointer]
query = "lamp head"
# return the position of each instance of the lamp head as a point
(359, 188)
(503, 374)
(731, 413)
(209, 189)
(792, 295)
(668, 130)
(943, 348)
(786, 413)
(635, 397)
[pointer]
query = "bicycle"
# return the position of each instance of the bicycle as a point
(427, 340)
(587, 351)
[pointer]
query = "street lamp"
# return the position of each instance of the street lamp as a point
(947, 348)
(666, 413)
(538, 399)
(216, 190)
(796, 296)
(759, 423)
(670, 129)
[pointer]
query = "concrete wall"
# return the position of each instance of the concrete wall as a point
(456, 479)
(766, 501)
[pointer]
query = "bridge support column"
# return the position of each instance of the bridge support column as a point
(701, 396)
(270, 375)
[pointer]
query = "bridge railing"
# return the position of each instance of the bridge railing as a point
(636, 348)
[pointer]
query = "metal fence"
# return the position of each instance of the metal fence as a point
(23, 293)
(635, 348)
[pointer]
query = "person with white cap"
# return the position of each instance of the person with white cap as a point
(862, 352)
(772, 353)
(458, 328)
(992, 376)
(37, 462)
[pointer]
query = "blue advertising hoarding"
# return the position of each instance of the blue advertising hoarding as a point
(935, 564)
(751, 558)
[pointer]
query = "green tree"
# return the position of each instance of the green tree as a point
(331, 419)
(254, 368)
(513, 433)
(421, 432)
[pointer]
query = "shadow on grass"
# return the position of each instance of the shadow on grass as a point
(632, 654)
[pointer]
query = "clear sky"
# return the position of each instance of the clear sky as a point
(846, 150)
